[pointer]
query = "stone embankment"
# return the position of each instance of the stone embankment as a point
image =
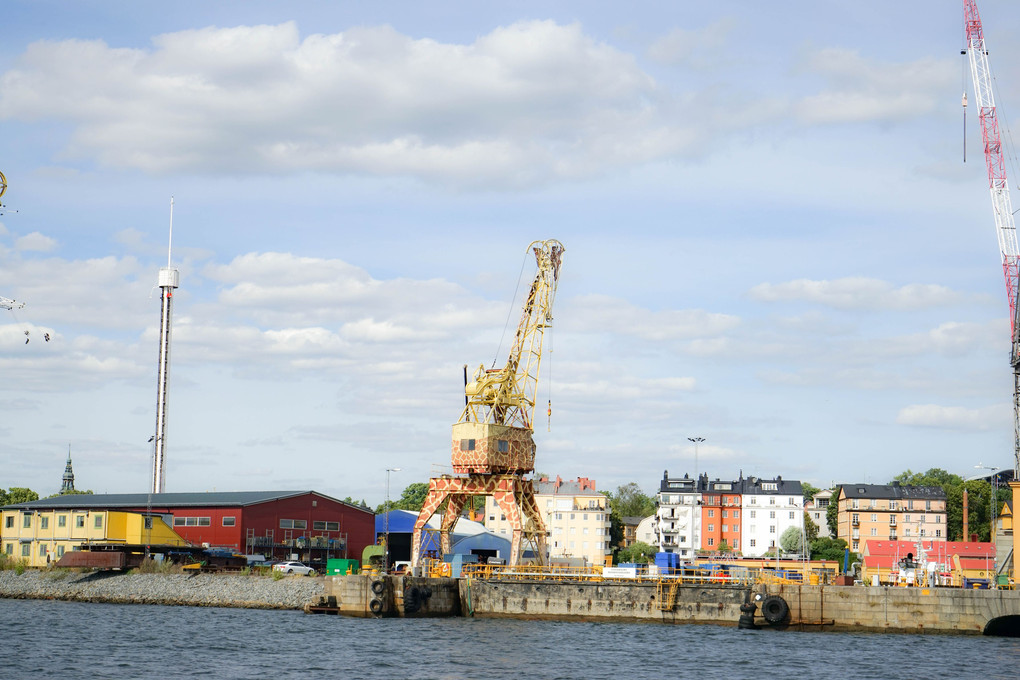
(193, 590)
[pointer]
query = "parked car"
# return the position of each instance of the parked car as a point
(294, 568)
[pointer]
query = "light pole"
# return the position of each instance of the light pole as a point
(991, 529)
(696, 441)
(386, 521)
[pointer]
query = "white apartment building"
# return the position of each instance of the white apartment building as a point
(575, 515)
(678, 520)
(768, 508)
(817, 511)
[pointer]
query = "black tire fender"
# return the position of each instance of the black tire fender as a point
(412, 600)
(375, 605)
(774, 609)
(378, 587)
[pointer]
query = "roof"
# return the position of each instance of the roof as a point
(894, 491)
(750, 486)
(755, 486)
(402, 522)
(166, 500)
(582, 486)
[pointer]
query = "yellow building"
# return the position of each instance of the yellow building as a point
(41, 537)
(893, 512)
(575, 515)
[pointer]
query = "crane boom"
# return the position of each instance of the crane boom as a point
(7, 303)
(1002, 207)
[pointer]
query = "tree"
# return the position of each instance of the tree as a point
(630, 501)
(792, 540)
(638, 553)
(810, 528)
(830, 549)
(20, 494)
(809, 491)
(411, 498)
(73, 492)
(832, 513)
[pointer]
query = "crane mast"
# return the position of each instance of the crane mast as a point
(492, 444)
(1002, 207)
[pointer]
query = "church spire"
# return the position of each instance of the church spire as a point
(68, 484)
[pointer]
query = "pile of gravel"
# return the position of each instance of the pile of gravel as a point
(196, 590)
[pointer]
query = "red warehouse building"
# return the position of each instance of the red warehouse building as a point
(277, 524)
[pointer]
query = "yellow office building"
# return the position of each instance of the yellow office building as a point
(40, 537)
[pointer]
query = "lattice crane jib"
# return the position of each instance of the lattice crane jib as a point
(998, 185)
(492, 443)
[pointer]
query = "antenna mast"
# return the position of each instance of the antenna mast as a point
(169, 279)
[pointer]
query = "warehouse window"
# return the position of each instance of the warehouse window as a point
(99, 522)
(42, 550)
(26, 521)
(9, 522)
(192, 521)
(61, 521)
(229, 521)
(44, 522)
(79, 521)
(26, 549)
(9, 549)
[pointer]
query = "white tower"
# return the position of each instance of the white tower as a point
(169, 278)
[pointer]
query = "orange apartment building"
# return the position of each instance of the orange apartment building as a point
(720, 514)
(890, 512)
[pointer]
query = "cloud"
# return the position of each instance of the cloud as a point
(857, 293)
(681, 46)
(35, 241)
(602, 312)
(522, 104)
(955, 417)
(863, 89)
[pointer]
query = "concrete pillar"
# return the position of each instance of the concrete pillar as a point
(1015, 488)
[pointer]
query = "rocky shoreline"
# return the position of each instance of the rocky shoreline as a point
(191, 590)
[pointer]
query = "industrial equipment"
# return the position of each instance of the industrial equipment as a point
(493, 447)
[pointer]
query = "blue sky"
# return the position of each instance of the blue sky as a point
(772, 240)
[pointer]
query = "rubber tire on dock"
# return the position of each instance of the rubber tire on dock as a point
(774, 609)
(375, 606)
(412, 600)
(378, 587)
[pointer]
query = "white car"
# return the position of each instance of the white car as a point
(293, 568)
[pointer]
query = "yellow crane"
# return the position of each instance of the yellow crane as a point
(492, 444)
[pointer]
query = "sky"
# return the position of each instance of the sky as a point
(777, 225)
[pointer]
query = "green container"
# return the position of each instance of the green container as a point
(341, 567)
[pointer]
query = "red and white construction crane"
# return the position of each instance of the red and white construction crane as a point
(1002, 207)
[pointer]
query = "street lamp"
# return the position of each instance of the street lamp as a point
(696, 441)
(386, 521)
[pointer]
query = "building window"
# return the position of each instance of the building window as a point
(79, 521)
(753, 513)
(194, 522)
(44, 522)
(98, 522)
(792, 501)
(711, 541)
(42, 550)
(736, 514)
(148, 522)
(772, 528)
(754, 500)
(229, 521)
(772, 500)
(9, 549)
(9, 522)
(772, 514)
(467, 444)
(26, 521)
(711, 513)
(874, 531)
(938, 533)
(906, 518)
(503, 446)
(60, 551)
(752, 542)
(61, 521)
(584, 516)
(792, 514)
(26, 549)
(711, 527)
(874, 517)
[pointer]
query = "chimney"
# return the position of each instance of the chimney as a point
(559, 482)
(966, 536)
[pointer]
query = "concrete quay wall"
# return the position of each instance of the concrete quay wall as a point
(405, 596)
(839, 608)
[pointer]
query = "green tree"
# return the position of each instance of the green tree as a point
(20, 494)
(73, 492)
(830, 549)
(411, 498)
(630, 501)
(832, 513)
(809, 491)
(637, 553)
(810, 528)
(792, 540)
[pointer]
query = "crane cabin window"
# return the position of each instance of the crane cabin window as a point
(467, 444)
(503, 446)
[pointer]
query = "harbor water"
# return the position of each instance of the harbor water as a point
(55, 639)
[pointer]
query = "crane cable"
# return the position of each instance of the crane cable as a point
(510, 310)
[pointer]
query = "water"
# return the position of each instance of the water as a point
(48, 639)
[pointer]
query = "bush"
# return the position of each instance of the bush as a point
(277, 574)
